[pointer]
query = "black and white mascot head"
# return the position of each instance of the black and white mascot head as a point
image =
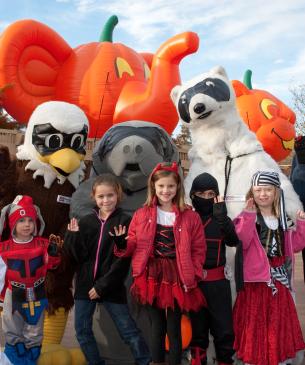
(222, 144)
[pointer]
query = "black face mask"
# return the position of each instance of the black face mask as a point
(203, 206)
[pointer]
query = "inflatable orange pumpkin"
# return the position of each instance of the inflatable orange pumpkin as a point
(109, 81)
(186, 332)
(268, 117)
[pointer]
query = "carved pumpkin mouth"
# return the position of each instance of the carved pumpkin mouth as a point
(205, 115)
(286, 144)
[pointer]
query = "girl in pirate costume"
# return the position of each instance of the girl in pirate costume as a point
(267, 329)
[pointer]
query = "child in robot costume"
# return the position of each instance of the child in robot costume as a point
(25, 259)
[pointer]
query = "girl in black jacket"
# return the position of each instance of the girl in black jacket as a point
(100, 275)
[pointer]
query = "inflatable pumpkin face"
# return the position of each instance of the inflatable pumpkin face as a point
(268, 117)
(109, 81)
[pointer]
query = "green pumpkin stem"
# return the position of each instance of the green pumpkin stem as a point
(247, 79)
(107, 32)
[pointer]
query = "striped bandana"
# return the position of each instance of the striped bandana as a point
(262, 178)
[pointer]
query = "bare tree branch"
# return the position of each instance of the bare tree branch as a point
(7, 122)
(184, 137)
(298, 94)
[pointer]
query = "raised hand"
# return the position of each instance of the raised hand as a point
(118, 231)
(73, 225)
(300, 214)
(218, 199)
(119, 236)
(56, 240)
(250, 205)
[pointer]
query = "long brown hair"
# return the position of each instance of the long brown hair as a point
(178, 200)
(276, 202)
(110, 180)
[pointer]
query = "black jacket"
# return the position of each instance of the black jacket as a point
(219, 232)
(111, 271)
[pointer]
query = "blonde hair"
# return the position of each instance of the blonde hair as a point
(178, 199)
(276, 202)
(110, 180)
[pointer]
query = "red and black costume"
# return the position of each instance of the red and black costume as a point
(167, 260)
(160, 284)
(216, 318)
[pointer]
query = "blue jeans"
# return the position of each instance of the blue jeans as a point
(125, 324)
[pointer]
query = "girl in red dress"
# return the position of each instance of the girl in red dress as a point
(266, 325)
(167, 244)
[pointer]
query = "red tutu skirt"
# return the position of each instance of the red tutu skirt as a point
(266, 326)
(160, 285)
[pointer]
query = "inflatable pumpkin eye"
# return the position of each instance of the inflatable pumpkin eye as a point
(268, 105)
(122, 66)
(54, 141)
(77, 141)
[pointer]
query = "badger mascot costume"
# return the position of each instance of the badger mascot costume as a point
(223, 146)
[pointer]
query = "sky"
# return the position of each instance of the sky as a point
(267, 37)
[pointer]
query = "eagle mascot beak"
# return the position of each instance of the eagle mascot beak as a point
(64, 161)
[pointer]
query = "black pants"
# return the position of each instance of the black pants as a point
(163, 322)
(216, 318)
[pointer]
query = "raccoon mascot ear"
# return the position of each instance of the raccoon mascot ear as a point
(219, 70)
(175, 92)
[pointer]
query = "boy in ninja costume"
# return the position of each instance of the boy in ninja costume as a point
(217, 316)
(25, 259)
